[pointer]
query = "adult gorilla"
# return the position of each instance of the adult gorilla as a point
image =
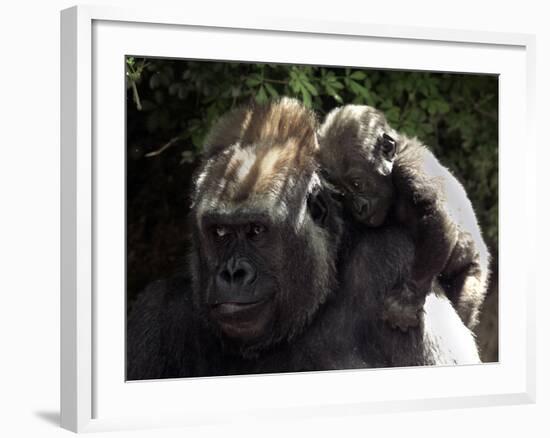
(277, 283)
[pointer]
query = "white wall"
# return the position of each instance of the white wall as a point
(29, 218)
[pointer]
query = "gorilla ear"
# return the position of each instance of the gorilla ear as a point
(318, 206)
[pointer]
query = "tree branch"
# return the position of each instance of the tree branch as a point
(163, 147)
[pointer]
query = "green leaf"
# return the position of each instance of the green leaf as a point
(310, 87)
(444, 107)
(252, 82)
(197, 139)
(295, 85)
(337, 98)
(261, 96)
(359, 89)
(235, 91)
(306, 97)
(432, 107)
(358, 75)
(271, 90)
(393, 115)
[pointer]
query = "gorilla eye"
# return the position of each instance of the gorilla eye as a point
(220, 231)
(256, 229)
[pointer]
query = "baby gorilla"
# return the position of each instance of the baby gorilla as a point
(385, 177)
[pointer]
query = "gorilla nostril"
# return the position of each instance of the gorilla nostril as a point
(238, 272)
(225, 276)
(245, 273)
(362, 206)
(358, 204)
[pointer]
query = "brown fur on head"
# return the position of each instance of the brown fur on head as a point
(276, 123)
(255, 154)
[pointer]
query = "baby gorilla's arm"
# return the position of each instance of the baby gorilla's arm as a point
(421, 207)
(464, 279)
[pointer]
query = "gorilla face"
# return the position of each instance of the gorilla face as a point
(240, 295)
(358, 151)
(263, 254)
(367, 194)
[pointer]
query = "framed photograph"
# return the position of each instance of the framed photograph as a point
(267, 218)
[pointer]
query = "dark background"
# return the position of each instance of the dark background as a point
(171, 104)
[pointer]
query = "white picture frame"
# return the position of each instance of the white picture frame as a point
(93, 397)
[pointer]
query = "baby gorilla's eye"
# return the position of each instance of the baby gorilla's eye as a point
(357, 184)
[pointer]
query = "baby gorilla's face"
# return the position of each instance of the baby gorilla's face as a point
(358, 150)
(369, 186)
(368, 196)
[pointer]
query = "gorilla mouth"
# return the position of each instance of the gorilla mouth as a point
(241, 320)
(234, 308)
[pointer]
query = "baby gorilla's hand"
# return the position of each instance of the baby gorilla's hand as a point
(402, 307)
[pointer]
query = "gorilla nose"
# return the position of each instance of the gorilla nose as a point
(237, 272)
(361, 205)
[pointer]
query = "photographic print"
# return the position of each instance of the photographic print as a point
(289, 218)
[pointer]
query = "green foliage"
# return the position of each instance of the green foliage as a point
(454, 114)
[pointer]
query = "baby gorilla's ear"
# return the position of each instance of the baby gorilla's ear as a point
(388, 146)
(387, 149)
